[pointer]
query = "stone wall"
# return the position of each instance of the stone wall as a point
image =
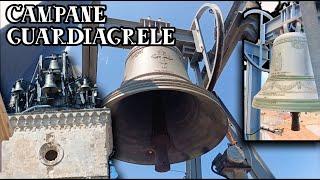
(64, 144)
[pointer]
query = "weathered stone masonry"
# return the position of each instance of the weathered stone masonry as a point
(63, 144)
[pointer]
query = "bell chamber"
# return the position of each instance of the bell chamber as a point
(291, 85)
(159, 116)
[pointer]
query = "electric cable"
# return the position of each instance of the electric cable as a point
(214, 171)
(254, 132)
(275, 131)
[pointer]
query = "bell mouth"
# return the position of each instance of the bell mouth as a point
(194, 120)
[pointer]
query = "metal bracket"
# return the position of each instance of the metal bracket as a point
(271, 29)
(253, 50)
(257, 56)
(153, 23)
(211, 64)
(287, 16)
(232, 163)
(259, 169)
(262, 29)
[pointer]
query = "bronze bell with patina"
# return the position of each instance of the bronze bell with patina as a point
(85, 85)
(160, 117)
(54, 65)
(50, 86)
(18, 89)
(291, 85)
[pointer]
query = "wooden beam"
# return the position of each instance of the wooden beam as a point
(5, 130)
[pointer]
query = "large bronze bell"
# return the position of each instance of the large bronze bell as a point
(50, 86)
(159, 116)
(291, 85)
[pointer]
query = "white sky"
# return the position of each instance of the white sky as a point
(269, 5)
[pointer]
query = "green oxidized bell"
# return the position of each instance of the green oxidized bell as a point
(291, 85)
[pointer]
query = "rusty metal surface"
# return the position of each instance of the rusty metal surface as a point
(259, 169)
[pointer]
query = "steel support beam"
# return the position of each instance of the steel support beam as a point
(273, 27)
(259, 169)
(236, 29)
(184, 41)
(252, 87)
(311, 21)
(193, 169)
(90, 54)
(89, 62)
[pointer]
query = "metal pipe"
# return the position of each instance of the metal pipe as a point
(35, 107)
(64, 65)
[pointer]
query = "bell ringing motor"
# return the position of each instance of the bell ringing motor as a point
(75, 14)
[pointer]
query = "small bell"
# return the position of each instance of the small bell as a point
(50, 86)
(85, 85)
(95, 92)
(54, 65)
(18, 87)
